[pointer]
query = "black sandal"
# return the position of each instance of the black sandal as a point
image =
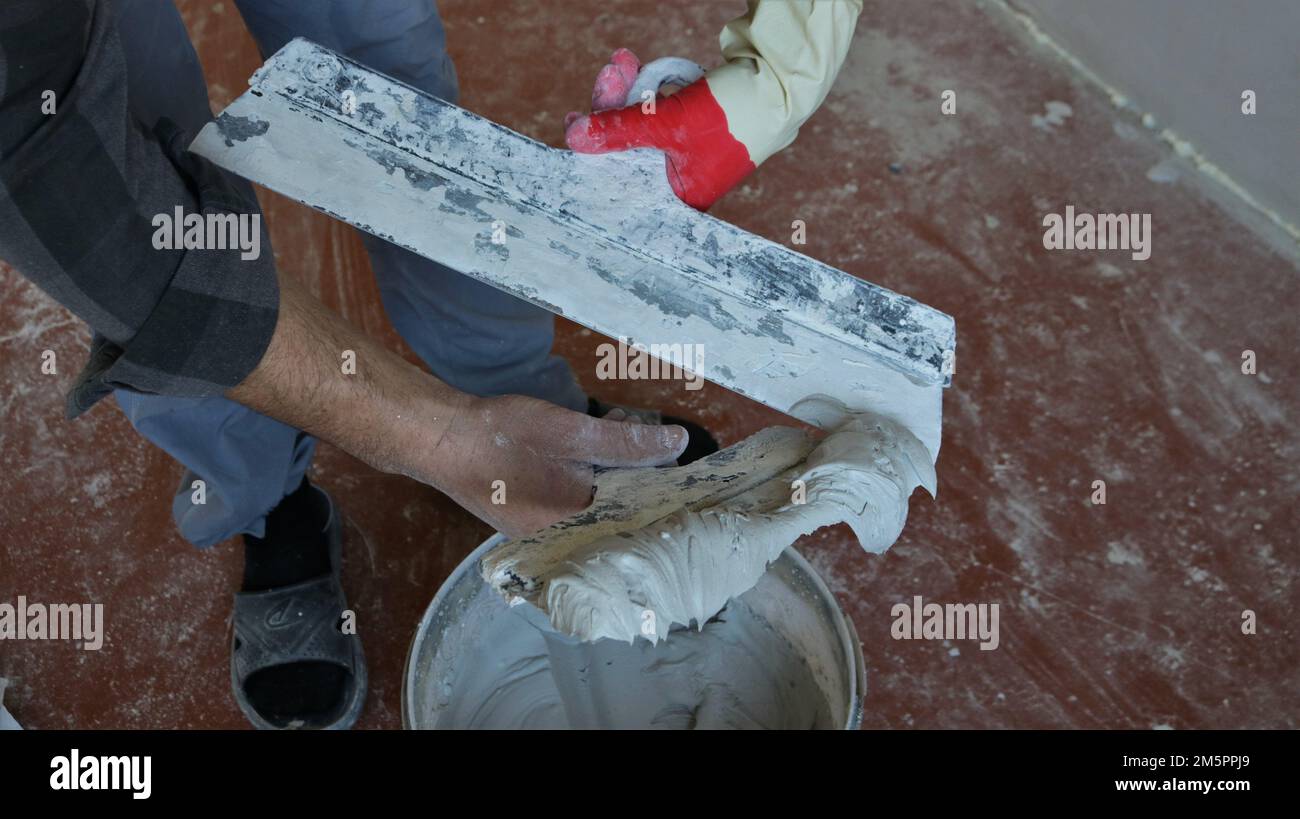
(299, 623)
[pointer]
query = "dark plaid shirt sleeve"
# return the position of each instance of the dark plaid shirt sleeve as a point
(79, 190)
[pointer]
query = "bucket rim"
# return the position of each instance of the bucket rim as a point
(851, 644)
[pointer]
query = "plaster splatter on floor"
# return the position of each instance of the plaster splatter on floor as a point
(1101, 393)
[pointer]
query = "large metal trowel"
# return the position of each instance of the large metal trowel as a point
(601, 240)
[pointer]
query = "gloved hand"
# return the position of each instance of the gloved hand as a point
(702, 158)
(778, 62)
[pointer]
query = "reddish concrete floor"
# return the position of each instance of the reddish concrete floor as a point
(1073, 367)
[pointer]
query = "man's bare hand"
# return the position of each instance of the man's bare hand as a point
(521, 464)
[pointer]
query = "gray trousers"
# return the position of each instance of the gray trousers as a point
(470, 335)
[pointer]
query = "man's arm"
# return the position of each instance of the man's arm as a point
(398, 418)
(780, 60)
(385, 413)
(77, 189)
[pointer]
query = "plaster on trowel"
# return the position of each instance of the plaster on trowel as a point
(601, 240)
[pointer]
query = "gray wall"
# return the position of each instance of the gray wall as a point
(1187, 62)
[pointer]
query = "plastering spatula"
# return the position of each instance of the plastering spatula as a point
(601, 240)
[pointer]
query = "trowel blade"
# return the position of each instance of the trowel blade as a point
(601, 240)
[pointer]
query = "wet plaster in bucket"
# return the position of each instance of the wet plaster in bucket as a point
(737, 673)
(642, 612)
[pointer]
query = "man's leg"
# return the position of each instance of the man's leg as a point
(471, 335)
(252, 466)
(247, 461)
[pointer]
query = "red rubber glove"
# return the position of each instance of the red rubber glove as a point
(703, 160)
